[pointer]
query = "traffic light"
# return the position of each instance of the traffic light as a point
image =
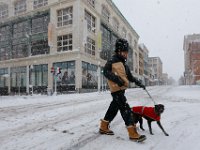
(52, 70)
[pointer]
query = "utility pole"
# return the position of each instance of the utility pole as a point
(31, 70)
(56, 72)
(55, 80)
(19, 82)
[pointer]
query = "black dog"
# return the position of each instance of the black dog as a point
(150, 114)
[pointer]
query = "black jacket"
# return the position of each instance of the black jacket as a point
(117, 72)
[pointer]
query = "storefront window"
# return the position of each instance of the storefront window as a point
(66, 79)
(4, 81)
(89, 76)
(3, 73)
(40, 75)
(18, 79)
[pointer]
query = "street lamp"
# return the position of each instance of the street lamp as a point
(31, 77)
(19, 82)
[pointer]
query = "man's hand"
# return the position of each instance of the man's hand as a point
(120, 82)
(143, 86)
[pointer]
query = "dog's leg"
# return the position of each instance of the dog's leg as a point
(149, 124)
(141, 123)
(159, 124)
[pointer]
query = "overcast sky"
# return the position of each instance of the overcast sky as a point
(161, 25)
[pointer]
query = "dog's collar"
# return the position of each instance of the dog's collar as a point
(155, 112)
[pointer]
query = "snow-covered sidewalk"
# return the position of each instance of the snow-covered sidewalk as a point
(72, 121)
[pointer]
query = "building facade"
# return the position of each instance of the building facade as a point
(165, 79)
(141, 61)
(155, 64)
(146, 71)
(191, 49)
(59, 45)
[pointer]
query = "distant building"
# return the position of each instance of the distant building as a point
(141, 62)
(165, 79)
(144, 63)
(155, 64)
(181, 81)
(191, 49)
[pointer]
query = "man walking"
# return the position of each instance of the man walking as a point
(119, 75)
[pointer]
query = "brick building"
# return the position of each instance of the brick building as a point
(194, 63)
(192, 59)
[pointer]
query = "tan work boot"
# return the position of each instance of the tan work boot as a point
(133, 135)
(104, 128)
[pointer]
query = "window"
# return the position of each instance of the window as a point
(105, 13)
(135, 63)
(40, 24)
(20, 37)
(106, 43)
(90, 21)
(39, 46)
(89, 76)
(5, 53)
(155, 76)
(114, 38)
(3, 83)
(4, 34)
(39, 39)
(20, 51)
(130, 59)
(90, 46)
(130, 39)
(20, 7)
(5, 38)
(18, 78)
(3, 11)
(40, 75)
(64, 42)
(91, 2)
(66, 79)
(20, 30)
(39, 3)
(64, 17)
(115, 24)
(135, 44)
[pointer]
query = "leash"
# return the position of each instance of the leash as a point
(151, 97)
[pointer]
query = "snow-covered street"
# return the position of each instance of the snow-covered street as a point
(72, 121)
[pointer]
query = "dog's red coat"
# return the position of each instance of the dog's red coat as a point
(146, 111)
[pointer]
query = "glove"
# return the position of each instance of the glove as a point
(143, 86)
(120, 82)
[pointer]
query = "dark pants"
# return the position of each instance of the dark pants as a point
(119, 103)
